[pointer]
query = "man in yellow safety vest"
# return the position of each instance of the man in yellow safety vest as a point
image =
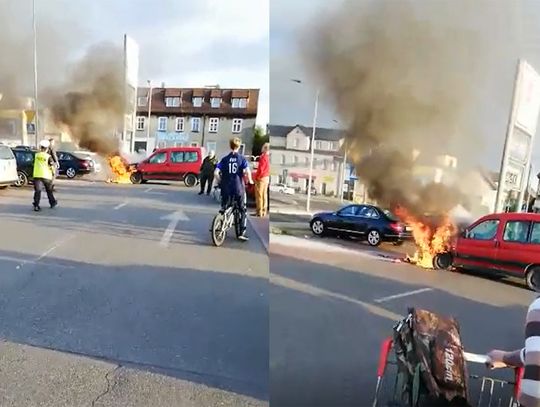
(44, 167)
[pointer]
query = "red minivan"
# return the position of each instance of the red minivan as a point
(170, 164)
(507, 244)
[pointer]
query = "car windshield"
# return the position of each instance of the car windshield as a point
(390, 215)
(6, 153)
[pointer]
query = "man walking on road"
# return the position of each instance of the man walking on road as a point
(44, 167)
(262, 179)
(207, 172)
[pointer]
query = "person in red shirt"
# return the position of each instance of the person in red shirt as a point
(262, 179)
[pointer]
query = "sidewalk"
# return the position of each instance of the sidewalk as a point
(32, 376)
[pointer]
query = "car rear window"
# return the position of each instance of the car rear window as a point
(535, 233)
(516, 231)
(6, 153)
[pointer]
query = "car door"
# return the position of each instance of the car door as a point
(155, 167)
(476, 248)
(346, 219)
(515, 251)
(64, 161)
(176, 168)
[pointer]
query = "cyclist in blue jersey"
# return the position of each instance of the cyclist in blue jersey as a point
(229, 174)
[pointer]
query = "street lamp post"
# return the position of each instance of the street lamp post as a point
(312, 145)
(36, 106)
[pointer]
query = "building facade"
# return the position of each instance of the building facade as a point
(206, 117)
(291, 154)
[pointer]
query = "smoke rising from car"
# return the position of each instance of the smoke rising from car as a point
(405, 76)
(90, 105)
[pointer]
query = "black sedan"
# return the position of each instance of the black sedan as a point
(366, 222)
(72, 164)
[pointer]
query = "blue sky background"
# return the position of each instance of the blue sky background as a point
(182, 42)
(292, 103)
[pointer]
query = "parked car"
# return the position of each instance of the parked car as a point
(170, 164)
(504, 244)
(366, 222)
(282, 189)
(25, 164)
(8, 167)
(73, 164)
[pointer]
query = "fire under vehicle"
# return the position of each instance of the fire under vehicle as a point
(504, 244)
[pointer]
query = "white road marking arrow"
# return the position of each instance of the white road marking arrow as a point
(173, 219)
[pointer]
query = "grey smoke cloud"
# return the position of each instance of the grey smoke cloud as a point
(410, 75)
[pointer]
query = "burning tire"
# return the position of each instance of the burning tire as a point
(374, 238)
(442, 261)
(136, 178)
(190, 180)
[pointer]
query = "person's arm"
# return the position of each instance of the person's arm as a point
(245, 167)
(217, 173)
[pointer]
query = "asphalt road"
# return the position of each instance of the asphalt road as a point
(127, 275)
(330, 308)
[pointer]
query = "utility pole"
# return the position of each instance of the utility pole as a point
(36, 105)
(149, 114)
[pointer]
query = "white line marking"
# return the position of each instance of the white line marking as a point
(120, 205)
(54, 247)
(174, 218)
(406, 294)
(148, 189)
(21, 262)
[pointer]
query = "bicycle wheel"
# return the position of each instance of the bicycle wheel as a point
(219, 233)
(237, 224)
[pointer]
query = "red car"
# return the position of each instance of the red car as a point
(170, 164)
(506, 244)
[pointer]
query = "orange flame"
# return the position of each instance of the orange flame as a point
(121, 172)
(430, 239)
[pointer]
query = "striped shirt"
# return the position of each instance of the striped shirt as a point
(529, 357)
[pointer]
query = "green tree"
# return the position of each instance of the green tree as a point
(259, 138)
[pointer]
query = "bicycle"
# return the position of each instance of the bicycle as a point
(224, 221)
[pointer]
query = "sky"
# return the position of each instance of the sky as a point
(292, 103)
(183, 43)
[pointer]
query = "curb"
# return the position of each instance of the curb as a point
(260, 236)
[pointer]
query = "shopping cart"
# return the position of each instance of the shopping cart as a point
(487, 391)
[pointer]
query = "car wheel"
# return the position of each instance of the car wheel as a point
(532, 274)
(136, 178)
(190, 180)
(442, 261)
(71, 172)
(22, 179)
(374, 238)
(317, 227)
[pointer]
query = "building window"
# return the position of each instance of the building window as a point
(179, 126)
(282, 159)
(196, 124)
(335, 146)
(215, 102)
(213, 125)
(239, 103)
(162, 124)
(211, 146)
(237, 125)
(318, 145)
(295, 143)
(333, 166)
(197, 101)
(242, 149)
(141, 100)
(296, 159)
(325, 164)
(172, 102)
(140, 122)
(306, 160)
